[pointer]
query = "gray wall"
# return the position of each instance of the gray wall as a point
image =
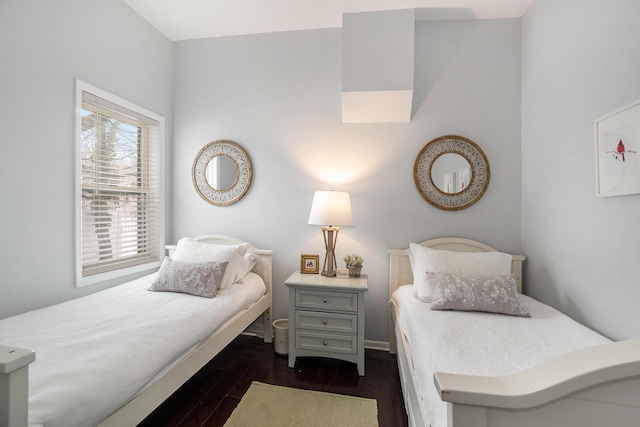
(44, 47)
(580, 61)
(278, 95)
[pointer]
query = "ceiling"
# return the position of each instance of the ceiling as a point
(194, 19)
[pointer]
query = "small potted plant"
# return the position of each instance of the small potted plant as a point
(354, 264)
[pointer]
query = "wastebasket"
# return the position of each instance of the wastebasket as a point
(281, 336)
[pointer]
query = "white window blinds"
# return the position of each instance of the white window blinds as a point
(120, 187)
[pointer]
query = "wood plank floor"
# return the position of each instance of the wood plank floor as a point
(209, 398)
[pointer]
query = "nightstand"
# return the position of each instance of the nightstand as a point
(326, 317)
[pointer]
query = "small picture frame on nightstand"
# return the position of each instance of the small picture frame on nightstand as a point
(342, 273)
(309, 264)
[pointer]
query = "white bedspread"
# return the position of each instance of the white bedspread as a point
(482, 343)
(95, 353)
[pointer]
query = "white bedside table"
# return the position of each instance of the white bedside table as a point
(326, 317)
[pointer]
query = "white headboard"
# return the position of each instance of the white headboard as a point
(263, 267)
(400, 269)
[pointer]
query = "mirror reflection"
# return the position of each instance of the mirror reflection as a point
(221, 173)
(451, 173)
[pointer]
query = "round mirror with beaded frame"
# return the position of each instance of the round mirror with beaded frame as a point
(477, 180)
(229, 194)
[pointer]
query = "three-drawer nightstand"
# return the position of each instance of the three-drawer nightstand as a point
(326, 317)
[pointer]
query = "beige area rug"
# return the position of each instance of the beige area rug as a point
(266, 405)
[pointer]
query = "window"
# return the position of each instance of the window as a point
(119, 204)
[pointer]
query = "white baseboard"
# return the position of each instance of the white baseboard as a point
(376, 345)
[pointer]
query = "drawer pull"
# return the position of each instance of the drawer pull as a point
(324, 300)
(324, 322)
(325, 343)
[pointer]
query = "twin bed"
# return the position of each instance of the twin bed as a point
(519, 363)
(533, 367)
(110, 358)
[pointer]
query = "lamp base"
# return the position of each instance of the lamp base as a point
(330, 239)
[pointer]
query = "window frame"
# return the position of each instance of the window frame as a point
(124, 104)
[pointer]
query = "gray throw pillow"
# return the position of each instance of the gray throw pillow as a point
(493, 294)
(195, 278)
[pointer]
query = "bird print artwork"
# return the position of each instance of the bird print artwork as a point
(619, 152)
(617, 148)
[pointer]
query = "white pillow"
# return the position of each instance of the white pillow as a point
(248, 262)
(189, 250)
(428, 260)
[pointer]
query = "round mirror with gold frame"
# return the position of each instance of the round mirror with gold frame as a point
(222, 172)
(451, 172)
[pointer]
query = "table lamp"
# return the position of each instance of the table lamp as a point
(330, 209)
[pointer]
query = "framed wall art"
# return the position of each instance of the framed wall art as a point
(309, 264)
(617, 144)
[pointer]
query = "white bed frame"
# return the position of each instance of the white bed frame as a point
(14, 362)
(595, 387)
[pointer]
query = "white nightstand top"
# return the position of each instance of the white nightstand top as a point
(319, 281)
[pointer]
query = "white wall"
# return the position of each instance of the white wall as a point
(580, 61)
(44, 47)
(278, 95)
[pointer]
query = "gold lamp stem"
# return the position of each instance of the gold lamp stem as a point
(330, 239)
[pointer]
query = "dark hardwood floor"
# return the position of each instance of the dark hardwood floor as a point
(209, 398)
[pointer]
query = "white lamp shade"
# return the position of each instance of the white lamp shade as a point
(331, 208)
